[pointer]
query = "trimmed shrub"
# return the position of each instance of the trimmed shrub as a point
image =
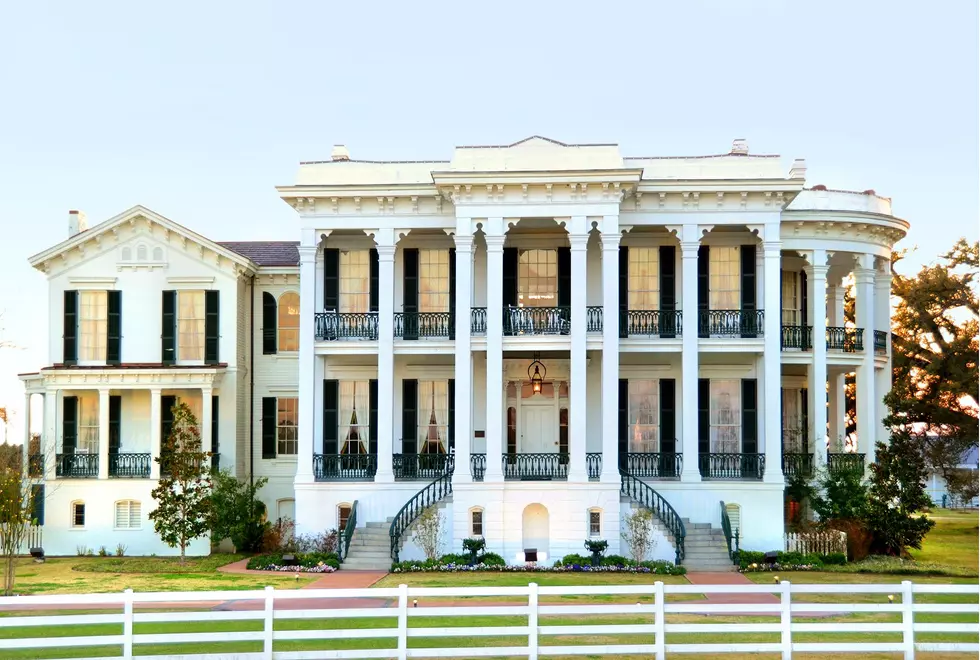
(492, 559)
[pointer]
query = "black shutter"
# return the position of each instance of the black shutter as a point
(452, 293)
(331, 415)
(704, 417)
(510, 276)
(374, 268)
(668, 292)
(168, 333)
(37, 504)
(113, 346)
(270, 322)
(70, 331)
(410, 293)
(750, 415)
(410, 396)
(804, 300)
(269, 413)
(624, 290)
(167, 404)
(115, 423)
(668, 427)
(564, 277)
(702, 317)
(211, 326)
(215, 447)
(749, 326)
(69, 424)
(624, 424)
(805, 419)
(331, 280)
(451, 420)
(373, 416)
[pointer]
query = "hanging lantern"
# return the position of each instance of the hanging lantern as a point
(534, 371)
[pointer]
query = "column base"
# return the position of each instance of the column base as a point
(384, 477)
(776, 478)
(578, 476)
(609, 478)
(690, 476)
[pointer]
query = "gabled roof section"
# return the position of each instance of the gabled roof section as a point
(266, 253)
(532, 139)
(537, 154)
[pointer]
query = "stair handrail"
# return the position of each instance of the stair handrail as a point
(647, 497)
(440, 488)
(730, 539)
(347, 533)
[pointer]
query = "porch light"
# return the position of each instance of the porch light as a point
(537, 378)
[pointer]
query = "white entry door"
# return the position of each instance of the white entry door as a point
(538, 433)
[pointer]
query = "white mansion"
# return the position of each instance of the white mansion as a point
(536, 337)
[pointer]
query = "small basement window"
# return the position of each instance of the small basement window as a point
(78, 514)
(595, 522)
(476, 522)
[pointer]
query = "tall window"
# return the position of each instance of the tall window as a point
(190, 325)
(512, 430)
(725, 416)
(92, 321)
(724, 271)
(644, 430)
(78, 514)
(644, 278)
(595, 522)
(434, 280)
(128, 514)
(790, 296)
(563, 430)
(792, 422)
(433, 431)
(355, 281)
(88, 425)
(343, 515)
(286, 425)
(476, 522)
(289, 322)
(355, 404)
(537, 278)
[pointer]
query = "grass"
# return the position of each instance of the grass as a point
(154, 564)
(953, 541)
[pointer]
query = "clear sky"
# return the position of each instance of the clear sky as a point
(197, 109)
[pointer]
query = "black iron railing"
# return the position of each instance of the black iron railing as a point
(35, 465)
(77, 466)
(535, 467)
(346, 325)
(797, 336)
(440, 488)
(731, 536)
(730, 323)
(849, 340)
(663, 465)
(797, 464)
(478, 320)
(593, 319)
(653, 501)
(421, 466)
(838, 463)
(732, 466)
(424, 325)
(344, 467)
(593, 465)
(650, 323)
(520, 321)
(881, 341)
(478, 466)
(133, 466)
(347, 533)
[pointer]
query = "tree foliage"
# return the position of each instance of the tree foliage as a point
(638, 534)
(428, 531)
(896, 495)
(183, 494)
(237, 513)
(19, 494)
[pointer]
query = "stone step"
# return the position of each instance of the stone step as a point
(366, 566)
(369, 554)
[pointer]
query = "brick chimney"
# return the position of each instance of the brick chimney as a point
(77, 223)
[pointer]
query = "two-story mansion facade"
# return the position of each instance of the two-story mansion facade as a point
(536, 337)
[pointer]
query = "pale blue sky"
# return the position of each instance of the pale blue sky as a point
(197, 109)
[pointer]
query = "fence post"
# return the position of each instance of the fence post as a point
(659, 623)
(128, 624)
(908, 621)
(402, 621)
(267, 638)
(786, 619)
(532, 621)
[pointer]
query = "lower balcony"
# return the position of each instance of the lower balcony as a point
(344, 467)
(838, 463)
(130, 466)
(77, 466)
(534, 467)
(747, 324)
(797, 464)
(421, 466)
(732, 466)
(663, 465)
(798, 337)
(424, 325)
(332, 326)
(523, 321)
(848, 340)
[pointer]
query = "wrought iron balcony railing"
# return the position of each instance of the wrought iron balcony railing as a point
(522, 321)
(881, 341)
(478, 466)
(424, 325)
(77, 466)
(593, 318)
(730, 323)
(797, 463)
(346, 325)
(650, 323)
(344, 467)
(535, 467)
(478, 320)
(662, 465)
(845, 462)
(35, 466)
(593, 465)
(797, 336)
(132, 466)
(849, 340)
(732, 466)
(421, 466)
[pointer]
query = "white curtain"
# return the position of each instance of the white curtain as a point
(362, 397)
(725, 416)
(92, 325)
(643, 414)
(724, 273)
(441, 390)
(190, 325)
(88, 425)
(346, 410)
(792, 424)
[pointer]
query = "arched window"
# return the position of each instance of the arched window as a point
(158, 254)
(127, 254)
(343, 515)
(595, 522)
(128, 514)
(289, 321)
(77, 514)
(140, 253)
(476, 521)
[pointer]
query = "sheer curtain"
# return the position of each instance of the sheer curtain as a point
(441, 391)
(92, 325)
(190, 325)
(644, 276)
(725, 417)
(355, 281)
(792, 424)
(346, 411)
(724, 272)
(643, 415)
(88, 425)
(362, 397)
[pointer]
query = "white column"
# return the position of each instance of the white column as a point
(864, 391)
(49, 439)
(495, 350)
(835, 303)
(610, 348)
(464, 364)
(307, 311)
(156, 414)
(772, 362)
(883, 376)
(689, 354)
(385, 240)
(816, 275)
(577, 383)
(26, 449)
(836, 412)
(206, 417)
(103, 433)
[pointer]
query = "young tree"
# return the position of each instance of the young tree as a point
(21, 496)
(428, 532)
(238, 514)
(183, 493)
(639, 534)
(896, 495)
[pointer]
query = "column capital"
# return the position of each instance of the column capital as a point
(463, 242)
(386, 252)
(207, 389)
(156, 391)
(689, 249)
(495, 243)
(864, 275)
(772, 246)
(610, 241)
(307, 253)
(104, 391)
(578, 241)
(816, 271)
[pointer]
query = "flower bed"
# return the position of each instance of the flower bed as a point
(755, 562)
(310, 562)
(492, 563)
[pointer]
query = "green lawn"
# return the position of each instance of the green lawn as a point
(953, 541)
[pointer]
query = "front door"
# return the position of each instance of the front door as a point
(538, 434)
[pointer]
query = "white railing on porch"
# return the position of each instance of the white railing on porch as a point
(822, 542)
(398, 605)
(31, 539)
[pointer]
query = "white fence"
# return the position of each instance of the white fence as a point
(398, 607)
(823, 542)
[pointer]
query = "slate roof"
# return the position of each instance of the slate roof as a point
(266, 253)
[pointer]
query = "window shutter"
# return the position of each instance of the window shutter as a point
(510, 276)
(122, 514)
(702, 317)
(331, 280)
(668, 432)
(37, 504)
(373, 416)
(69, 424)
(374, 268)
(211, 326)
(749, 326)
(452, 293)
(410, 395)
(624, 290)
(214, 426)
(668, 292)
(270, 322)
(704, 416)
(269, 411)
(113, 346)
(451, 418)
(804, 299)
(134, 514)
(70, 331)
(331, 415)
(410, 293)
(750, 441)
(624, 423)
(115, 423)
(167, 404)
(168, 333)
(805, 418)
(564, 277)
